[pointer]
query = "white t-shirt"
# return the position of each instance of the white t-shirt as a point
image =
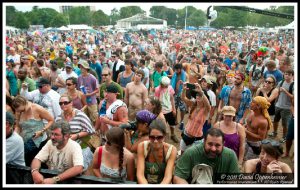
(64, 75)
(147, 73)
(61, 160)
(50, 100)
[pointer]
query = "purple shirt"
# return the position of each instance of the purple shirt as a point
(91, 84)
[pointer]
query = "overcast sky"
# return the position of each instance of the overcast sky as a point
(107, 7)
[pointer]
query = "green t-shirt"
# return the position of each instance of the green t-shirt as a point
(103, 87)
(31, 84)
(60, 62)
(156, 77)
(226, 163)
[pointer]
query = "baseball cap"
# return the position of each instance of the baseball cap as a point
(165, 81)
(228, 110)
(43, 81)
(206, 78)
(9, 60)
(112, 88)
(69, 64)
(84, 64)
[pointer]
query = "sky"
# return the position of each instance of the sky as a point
(107, 7)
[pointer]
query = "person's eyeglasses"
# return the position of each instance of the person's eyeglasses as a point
(74, 59)
(158, 138)
(41, 86)
(269, 82)
(68, 84)
(64, 103)
(105, 75)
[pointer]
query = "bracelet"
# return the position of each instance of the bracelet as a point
(56, 179)
(77, 136)
(35, 169)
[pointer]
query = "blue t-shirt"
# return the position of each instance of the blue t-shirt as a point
(98, 68)
(229, 62)
(277, 74)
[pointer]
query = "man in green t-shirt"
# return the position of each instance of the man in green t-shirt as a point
(157, 75)
(212, 152)
(107, 80)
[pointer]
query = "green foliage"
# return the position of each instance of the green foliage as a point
(21, 21)
(80, 15)
(10, 15)
(129, 11)
(114, 16)
(99, 18)
(164, 13)
(59, 20)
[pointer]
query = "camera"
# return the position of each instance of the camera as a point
(131, 125)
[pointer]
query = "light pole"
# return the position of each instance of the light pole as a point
(185, 18)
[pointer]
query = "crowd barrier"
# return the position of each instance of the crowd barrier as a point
(22, 175)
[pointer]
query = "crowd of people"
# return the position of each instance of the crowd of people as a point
(226, 91)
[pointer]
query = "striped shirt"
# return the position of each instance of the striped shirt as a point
(195, 122)
(80, 122)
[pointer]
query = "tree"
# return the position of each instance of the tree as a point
(165, 13)
(197, 18)
(114, 16)
(80, 15)
(99, 18)
(21, 21)
(10, 15)
(59, 20)
(129, 11)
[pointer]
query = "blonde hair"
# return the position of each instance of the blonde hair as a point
(264, 104)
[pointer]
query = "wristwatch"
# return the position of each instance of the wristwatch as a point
(56, 179)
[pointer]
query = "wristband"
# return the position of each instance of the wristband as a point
(77, 136)
(56, 179)
(35, 169)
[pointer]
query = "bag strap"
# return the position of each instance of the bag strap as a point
(254, 66)
(100, 156)
(169, 152)
(291, 88)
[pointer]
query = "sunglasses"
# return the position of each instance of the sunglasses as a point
(105, 75)
(269, 82)
(64, 103)
(68, 84)
(272, 142)
(158, 138)
(41, 86)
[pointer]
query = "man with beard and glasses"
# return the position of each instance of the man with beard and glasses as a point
(60, 153)
(211, 152)
(237, 96)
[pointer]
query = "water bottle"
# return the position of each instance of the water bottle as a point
(88, 98)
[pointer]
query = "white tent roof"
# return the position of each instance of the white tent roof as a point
(79, 27)
(64, 28)
(289, 26)
(11, 28)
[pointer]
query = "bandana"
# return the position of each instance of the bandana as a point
(241, 75)
(145, 116)
(264, 104)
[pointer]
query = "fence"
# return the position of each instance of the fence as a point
(22, 175)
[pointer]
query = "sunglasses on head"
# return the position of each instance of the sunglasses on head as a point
(158, 138)
(272, 142)
(64, 103)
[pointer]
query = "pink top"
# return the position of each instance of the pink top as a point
(164, 95)
(195, 123)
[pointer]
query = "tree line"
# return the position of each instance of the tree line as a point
(175, 17)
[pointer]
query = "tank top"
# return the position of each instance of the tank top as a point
(232, 141)
(29, 127)
(154, 171)
(271, 109)
(77, 102)
(124, 81)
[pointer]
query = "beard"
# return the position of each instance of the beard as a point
(57, 142)
(213, 154)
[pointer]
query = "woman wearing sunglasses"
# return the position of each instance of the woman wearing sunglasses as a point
(155, 158)
(113, 160)
(79, 99)
(268, 162)
(270, 92)
(80, 126)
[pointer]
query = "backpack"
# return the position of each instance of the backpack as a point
(256, 77)
(202, 174)
(290, 88)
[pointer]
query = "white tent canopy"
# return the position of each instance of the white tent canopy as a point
(79, 27)
(63, 28)
(11, 28)
(289, 26)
